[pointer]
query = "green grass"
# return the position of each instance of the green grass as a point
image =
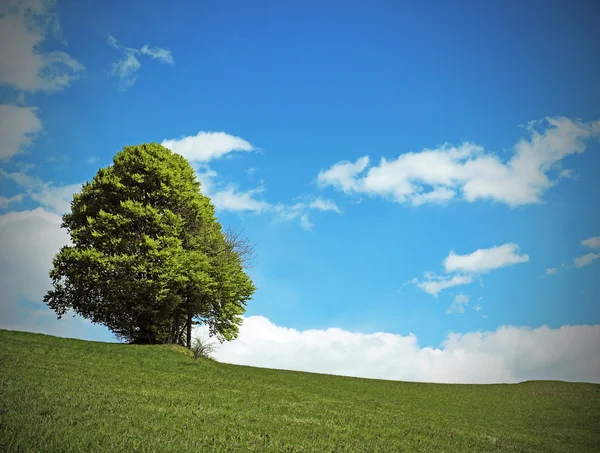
(70, 395)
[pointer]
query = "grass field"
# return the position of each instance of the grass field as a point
(70, 395)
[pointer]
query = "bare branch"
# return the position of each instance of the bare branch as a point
(240, 245)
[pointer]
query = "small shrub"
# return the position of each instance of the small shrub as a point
(202, 348)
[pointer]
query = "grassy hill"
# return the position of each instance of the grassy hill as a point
(70, 395)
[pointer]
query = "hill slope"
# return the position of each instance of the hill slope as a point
(70, 395)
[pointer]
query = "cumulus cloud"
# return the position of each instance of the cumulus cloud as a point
(466, 267)
(468, 171)
(508, 354)
(206, 146)
(19, 126)
(127, 67)
(24, 26)
(29, 241)
(485, 260)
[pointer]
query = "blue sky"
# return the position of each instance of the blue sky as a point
(486, 116)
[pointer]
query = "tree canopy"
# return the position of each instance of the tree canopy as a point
(148, 258)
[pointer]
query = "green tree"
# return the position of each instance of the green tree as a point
(148, 258)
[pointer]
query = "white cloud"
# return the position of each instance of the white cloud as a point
(342, 175)
(7, 201)
(466, 267)
(29, 240)
(567, 174)
(586, 259)
(581, 261)
(24, 26)
(158, 53)
(301, 209)
(592, 243)
(439, 195)
(458, 304)
(551, 270)
(324, 205)
(434, 284)
(485, 260)
(19, 126)
(126, 70)
(206, 146)
(468, 171)
(477, 307)
(589, 258)
(509, 354)
(127, 67)
(230, 199)
(56, 198)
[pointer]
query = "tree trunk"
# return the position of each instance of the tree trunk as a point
(180, 335)
(189, 329)
(175, 329)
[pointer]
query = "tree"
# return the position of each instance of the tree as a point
(148, 257)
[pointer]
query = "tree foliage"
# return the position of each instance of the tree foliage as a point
(148, 258)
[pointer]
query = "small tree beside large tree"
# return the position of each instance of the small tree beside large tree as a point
(148, 258)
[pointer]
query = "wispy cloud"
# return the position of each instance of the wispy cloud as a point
(50, 196)
(233, 200)
(467, 267)
(205, 147)
(586, 260)
(485, 260)
(127, 67)
(158, 53)
(593, 243)
(434, 284)
(553, 270)
(24, 27)
(468, 171)
(583, 260)
(5, 202)
(458, 304)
